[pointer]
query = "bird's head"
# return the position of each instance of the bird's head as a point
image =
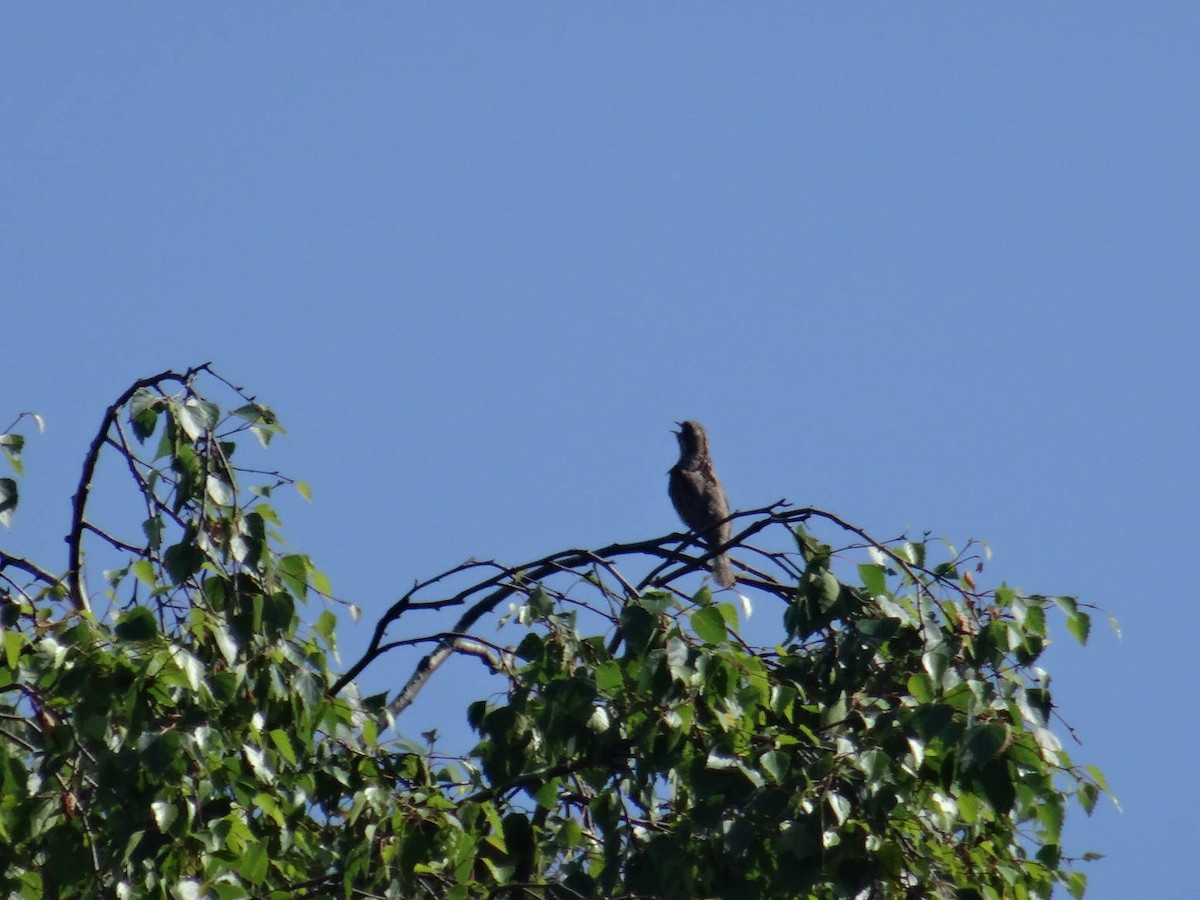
(692, 437)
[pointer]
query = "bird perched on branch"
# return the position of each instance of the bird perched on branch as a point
(698, 496)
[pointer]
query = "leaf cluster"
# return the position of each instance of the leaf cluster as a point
(891, 738)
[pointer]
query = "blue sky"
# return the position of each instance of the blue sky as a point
(929, 266)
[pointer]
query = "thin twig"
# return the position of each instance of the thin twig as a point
(75, 581)
(28, 567)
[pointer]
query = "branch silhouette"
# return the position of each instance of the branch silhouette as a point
(503, 582)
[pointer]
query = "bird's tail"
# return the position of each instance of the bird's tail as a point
(722, 571)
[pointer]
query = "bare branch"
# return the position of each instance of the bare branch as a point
(115, 541)
(29, 568)
(486, 595)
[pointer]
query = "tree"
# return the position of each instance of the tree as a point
(180, 732)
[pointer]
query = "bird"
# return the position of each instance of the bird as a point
(698, 497)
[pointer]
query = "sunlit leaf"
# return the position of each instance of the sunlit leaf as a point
(874, 579)
(143, 571)
(709, 625)
(225, 640)
(219, 490)
(326, 622)
(284, 745)
(840, 806)
(11, 445)
(14, 643)
(294, 570)
(776, 765)
(1080, 626)
(253, 864)
(165, 814)
(191, 667)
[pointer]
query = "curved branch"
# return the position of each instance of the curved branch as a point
(534, 572)
(75, 586)
(27, 567)
(506, 581)
(542, 568)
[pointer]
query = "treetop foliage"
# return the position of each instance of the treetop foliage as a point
(172, 726)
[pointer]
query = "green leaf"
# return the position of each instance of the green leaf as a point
(531, 647)
(776, 765)
(891, 856)
(226, 642)
(678, 656)
(876, 631)
(267, 804)
(326, 623)
(14, 643)
(935, 662)
(10, 613)
(1050, 815)
(1032, 617)
(136, 625)
(182, 561)
(840, 805)
(637, 628)
(279, 612)
(153, 529)
(874, 579)
(802, 839)
(190, 420)
(835, 713)
(823, 587)
(294, 571)
(254, 861)
(609, 677)
(547, 793)
(968, 807)
(1097, 776)
(251, 412)
(875, 763)
(190, 666)
(12, 445)
(208, 413)
(320, 584)
(914, 552)
(1068, 605)
(283, 744)
(1087, 795)
(998, 787)
(1080, 626)
(983, 743)
(219, 490)
(143, 571)
(8, 501)
(165, 813)
(921, 686)
(144, 408)
(709, 625)
(304, 490)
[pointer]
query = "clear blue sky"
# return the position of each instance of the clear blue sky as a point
(932, 266)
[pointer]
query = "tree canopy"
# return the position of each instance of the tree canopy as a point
(173, 726)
